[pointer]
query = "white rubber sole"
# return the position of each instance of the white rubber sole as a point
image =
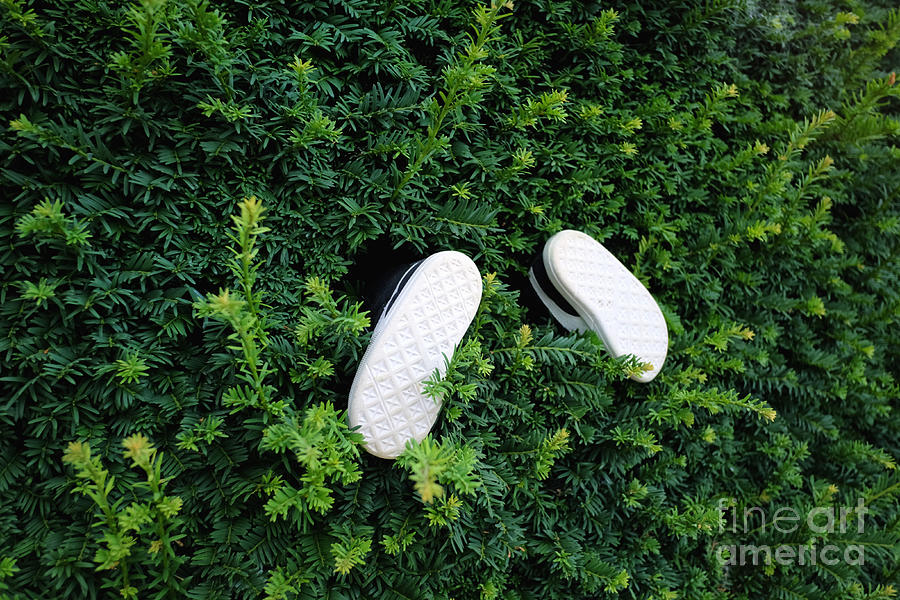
(608, 297)
(428, 318)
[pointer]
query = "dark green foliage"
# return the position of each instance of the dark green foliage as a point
(738, 155)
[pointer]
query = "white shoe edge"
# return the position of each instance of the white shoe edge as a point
(553, 259)
(570, 322)
(391, 409)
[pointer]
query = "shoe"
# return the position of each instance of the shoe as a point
(423, 321)
(586, 288)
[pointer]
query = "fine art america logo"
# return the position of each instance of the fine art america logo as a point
(818, 521)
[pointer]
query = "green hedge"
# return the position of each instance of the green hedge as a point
(738, 155)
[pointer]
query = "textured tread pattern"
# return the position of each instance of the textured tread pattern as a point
(611, 300)
(428, 319)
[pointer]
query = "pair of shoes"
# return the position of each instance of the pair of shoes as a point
(581, 283)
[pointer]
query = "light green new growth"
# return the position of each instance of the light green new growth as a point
(463, 84)
(154, 516)
(350, 551)
(244, 315)
(434, 463)
(321, 441)
(148, 60)
(325, 448)
(46, 220)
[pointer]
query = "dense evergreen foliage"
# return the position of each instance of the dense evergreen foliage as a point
(166, 438)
